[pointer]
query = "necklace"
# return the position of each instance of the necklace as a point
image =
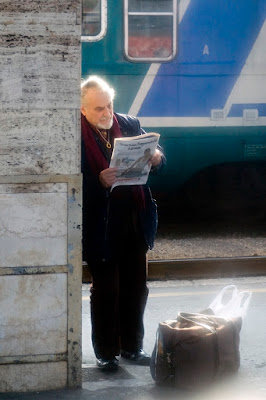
(107, 143)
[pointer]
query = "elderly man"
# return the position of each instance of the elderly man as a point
(118, 228)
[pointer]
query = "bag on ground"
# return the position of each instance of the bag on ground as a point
(196, 349)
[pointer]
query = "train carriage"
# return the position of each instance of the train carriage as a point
(195, 72)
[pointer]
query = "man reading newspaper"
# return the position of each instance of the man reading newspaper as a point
(119, 226)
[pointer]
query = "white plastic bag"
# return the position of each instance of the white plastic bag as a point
(234, 306)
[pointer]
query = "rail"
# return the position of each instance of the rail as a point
(199, 268)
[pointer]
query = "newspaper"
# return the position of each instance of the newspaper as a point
(131, 156)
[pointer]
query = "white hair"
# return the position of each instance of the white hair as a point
(96, 82)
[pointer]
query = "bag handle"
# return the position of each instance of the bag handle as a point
(217, 304)
(241, 303)
(194, 319)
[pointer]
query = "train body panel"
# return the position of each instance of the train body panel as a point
(208, 102)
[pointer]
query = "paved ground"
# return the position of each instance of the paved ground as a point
(165, 300)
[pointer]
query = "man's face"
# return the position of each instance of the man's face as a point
(98, 108)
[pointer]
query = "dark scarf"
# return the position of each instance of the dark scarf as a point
(98, 160)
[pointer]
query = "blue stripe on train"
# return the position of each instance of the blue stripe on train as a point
(215, 39)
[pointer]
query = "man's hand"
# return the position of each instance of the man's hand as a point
(156, 158)
(108, 177)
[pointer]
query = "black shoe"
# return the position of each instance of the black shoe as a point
(138, 357)
(107, 365)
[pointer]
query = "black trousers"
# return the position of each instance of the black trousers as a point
(118, 298)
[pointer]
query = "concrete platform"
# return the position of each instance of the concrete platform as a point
(133, 382)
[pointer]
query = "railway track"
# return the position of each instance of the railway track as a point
(199, 268)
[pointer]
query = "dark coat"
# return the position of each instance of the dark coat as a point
(96, 203)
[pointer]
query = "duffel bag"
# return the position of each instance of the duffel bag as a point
(195, 349)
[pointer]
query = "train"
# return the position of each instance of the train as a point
(193, 71)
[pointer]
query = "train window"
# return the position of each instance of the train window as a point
(93, 19)
(150, 29)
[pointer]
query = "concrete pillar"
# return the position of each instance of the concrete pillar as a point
(40, 195)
